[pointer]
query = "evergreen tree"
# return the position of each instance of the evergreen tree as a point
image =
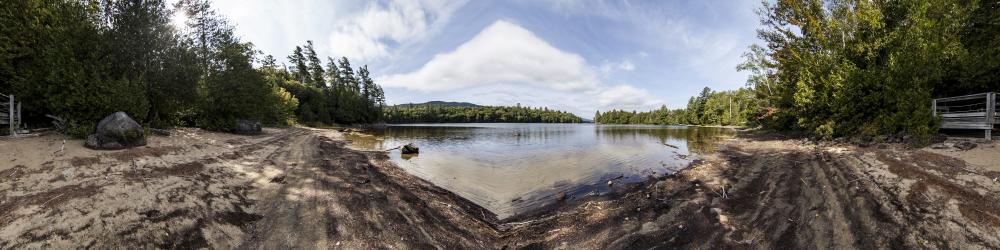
(315, 67)
(300, 71)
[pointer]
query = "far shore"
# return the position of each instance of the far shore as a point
(302, 187)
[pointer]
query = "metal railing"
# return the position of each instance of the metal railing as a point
(10, 113)
(977, 111)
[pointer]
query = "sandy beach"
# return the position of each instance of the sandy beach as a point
(303, 188)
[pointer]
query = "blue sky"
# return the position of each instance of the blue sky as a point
(578, 56)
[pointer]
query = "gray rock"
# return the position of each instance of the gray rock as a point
(160, 132)
(882, 139)
(648, 227)
(247, 127)
(117, 131)
(410, 149)
(864, 141)
(939, 138)
(965, 145)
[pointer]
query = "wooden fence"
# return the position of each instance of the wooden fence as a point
(10, 113)
(978, 111)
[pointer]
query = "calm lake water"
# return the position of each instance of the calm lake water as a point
(511, 168)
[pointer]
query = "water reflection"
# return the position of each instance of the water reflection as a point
(512, 168)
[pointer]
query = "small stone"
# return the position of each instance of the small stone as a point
(648, 227)
(410, 148)
(965, 145)
(939, 138)
(247, 127)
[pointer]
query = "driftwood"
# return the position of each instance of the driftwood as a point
(59, 123)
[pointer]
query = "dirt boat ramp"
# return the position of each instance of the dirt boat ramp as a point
(303, 188)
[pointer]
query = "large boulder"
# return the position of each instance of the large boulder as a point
(410, 149)
(247, 127)
(117, 131)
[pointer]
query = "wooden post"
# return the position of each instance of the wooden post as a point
(19, 121)
(934, 107)
(990, 113)
(10, 114)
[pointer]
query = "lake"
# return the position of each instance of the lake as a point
(511, 168)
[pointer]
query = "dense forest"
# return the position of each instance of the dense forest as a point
(839, 68)
(732, 107)
(335, 94)
(409, 113)
(83, 60)
(852, 68)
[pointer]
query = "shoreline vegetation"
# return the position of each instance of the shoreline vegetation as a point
(825, 69)
(447, 112)
(303, 188)
(733, 108)
(860, 70)
(83, 60)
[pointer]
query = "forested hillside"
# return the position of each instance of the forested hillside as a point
(852, 68)
(732, 107)
(441, 114)
(438, 103)
(83, 60)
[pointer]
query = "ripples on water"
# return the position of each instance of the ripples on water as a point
(513, 168)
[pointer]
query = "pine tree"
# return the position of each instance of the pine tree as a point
(300, 71)
(316, 72)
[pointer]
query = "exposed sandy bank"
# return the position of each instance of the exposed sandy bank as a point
(289, 188)
(302, 188)
(766, 193)
(986, 154)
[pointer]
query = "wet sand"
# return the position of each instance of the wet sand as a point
(302, 188)
(765, 192)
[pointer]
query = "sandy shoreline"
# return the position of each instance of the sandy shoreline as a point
(289, 188)
(303, 188)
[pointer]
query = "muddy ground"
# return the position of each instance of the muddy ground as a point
(763, 192)
(302, 188)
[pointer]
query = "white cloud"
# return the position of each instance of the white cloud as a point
(503, 53)
(506, 64)
(626, 97)
(609, 67)
(626, 65)
(370, 34)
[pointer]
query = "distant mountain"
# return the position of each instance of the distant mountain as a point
(440, 103)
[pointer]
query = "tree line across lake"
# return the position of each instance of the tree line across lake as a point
(431, 113)
(83, 60)
(853, 68)
(828, 67)
(732, 107)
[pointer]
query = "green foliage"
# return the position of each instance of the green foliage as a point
(444, 114)
(83, 60)
(53, 61)
(838, 68)
(734, 108)
(328, 96)
(234, 90)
